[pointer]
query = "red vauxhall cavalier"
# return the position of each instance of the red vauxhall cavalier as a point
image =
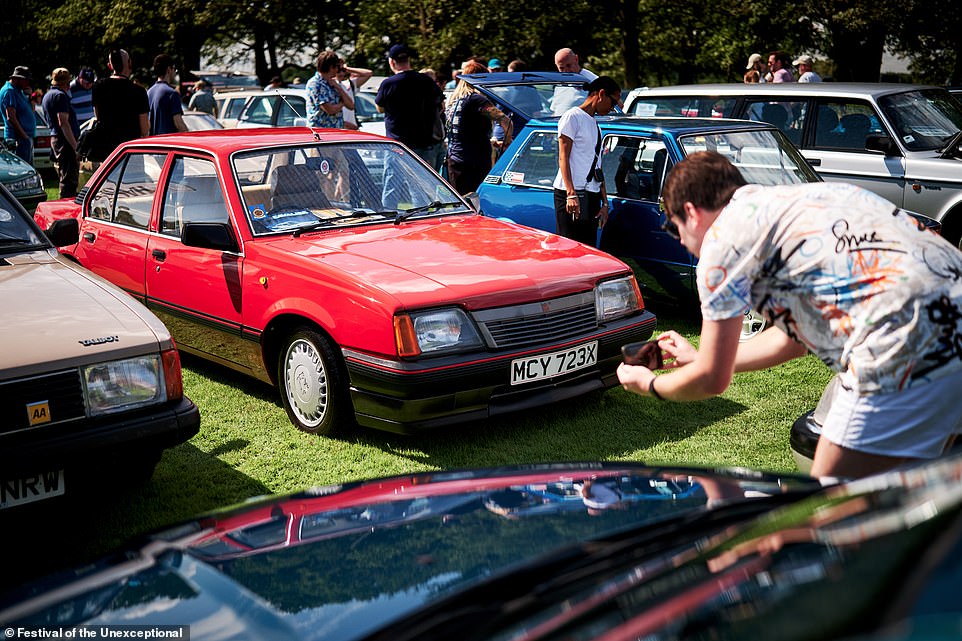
(339, 267)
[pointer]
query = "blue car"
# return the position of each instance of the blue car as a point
(636, 154)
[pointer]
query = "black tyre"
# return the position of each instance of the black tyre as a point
(312, 383)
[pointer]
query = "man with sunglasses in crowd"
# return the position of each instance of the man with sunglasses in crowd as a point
(580, 200)
(837, 271)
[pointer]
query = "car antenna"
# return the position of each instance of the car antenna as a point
(287, 102)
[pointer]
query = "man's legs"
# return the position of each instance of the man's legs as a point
(25, 150)
(835, 460)
(68, 169)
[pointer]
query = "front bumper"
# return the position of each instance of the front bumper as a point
(439, 392)
(82, 443)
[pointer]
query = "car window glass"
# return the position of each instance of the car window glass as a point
(138, 183)
(15, 232)
(763, 157)
(685, 107)
(923, 120)
(634, 167)
(852, 120)
(335, 185)
(102, 200)
(260, 110)
(193, 195)
(787, 115)
(289, 108)
(536, 164)
(234, 107)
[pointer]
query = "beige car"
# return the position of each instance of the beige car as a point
(90, 380)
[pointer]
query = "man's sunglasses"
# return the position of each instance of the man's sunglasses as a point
(668, 227)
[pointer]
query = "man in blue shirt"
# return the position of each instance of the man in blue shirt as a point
(19, 123)
(81, 94)
(166, 108)
(63, 125)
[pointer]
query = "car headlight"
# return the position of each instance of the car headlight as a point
(124, 384)
(26, 184)
(435, 331)
(617, 298)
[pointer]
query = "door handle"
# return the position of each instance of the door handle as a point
(159, 254)
(814, 162)
(89, 236)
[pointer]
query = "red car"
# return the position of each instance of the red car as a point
(339, 267)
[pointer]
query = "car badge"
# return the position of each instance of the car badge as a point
(38, 413)
(89, 342)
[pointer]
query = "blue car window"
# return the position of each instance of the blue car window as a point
(536, 163)
(634, 166)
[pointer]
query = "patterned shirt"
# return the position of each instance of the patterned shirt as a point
(845, 273)
(320, 92)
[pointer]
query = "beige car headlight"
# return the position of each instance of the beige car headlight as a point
(123, 384)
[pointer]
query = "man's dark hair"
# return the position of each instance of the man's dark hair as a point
(116, 60)
(603, 82)
(783, 57)
(162, 63)
(326, 60)
(705, 179)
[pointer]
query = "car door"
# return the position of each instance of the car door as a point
(114, 231)
(197, 291)
(635, 167)
(834, 145)
(523, 190)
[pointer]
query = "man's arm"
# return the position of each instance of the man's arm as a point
(358, 75)
(17, 128)
(63, 121)
(767, 349)
(708, 375)
(179, 123)
(144, 125)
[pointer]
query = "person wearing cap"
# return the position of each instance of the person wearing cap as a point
(495, 65)
(805, 72)
(412, 105)
(80, 94)
(19, 123)
(755, 71)
(62, 120)
(202, 99)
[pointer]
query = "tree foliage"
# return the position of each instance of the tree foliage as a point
(636, 41)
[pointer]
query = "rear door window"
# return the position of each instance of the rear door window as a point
(685, 106)
(786, 114)
(536, 164)
(126, 197)
(634, 167)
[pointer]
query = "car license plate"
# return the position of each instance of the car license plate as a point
(535, 368)
(27, 489)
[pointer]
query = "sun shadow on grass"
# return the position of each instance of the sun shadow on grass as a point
(107, 511)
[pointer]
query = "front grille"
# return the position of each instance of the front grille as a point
(62, 392)
(532, 323)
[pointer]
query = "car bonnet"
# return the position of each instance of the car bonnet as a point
(57, 314)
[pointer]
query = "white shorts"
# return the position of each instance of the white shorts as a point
(913, 423)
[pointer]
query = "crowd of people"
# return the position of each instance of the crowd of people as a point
(779, 68)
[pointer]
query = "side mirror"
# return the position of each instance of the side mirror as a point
(63, 232)
(883, 143)
(216, 236)
(474, 200)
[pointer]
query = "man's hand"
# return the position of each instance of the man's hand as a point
(677, 349)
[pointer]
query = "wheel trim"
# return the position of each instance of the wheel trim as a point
(752, 325)
(306, 383)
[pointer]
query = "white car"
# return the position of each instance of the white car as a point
(288, 108)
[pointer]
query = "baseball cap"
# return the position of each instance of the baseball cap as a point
(398, 51)
(804, 60)
(494, 63)
(752, 59)
(86, 73)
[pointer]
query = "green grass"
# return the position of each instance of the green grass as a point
(247, 447)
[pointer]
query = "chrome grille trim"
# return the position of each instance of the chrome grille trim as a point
(532, 323)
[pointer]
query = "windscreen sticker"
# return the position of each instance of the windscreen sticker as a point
(514, 177)
(257, 211)
(908, 139)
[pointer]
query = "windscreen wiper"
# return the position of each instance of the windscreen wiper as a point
(327, 222)
(404, 214)
(951, 144)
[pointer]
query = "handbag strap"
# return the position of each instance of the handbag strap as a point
(594, 162)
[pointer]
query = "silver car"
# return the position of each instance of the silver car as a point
(900, 141)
